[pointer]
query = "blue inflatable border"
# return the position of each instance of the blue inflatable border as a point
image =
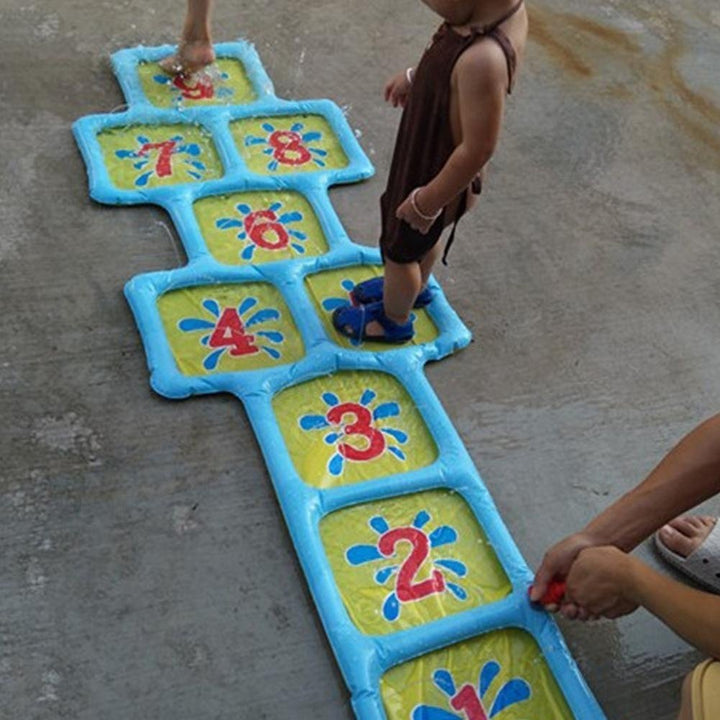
(362, 659)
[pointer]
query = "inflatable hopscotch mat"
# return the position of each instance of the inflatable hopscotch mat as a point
(421, 590)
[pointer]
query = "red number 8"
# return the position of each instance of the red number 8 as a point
(289, 148)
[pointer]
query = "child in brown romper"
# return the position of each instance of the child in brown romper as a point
(453, 107)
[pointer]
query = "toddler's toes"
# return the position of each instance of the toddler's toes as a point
(171, 65)
(190, 58)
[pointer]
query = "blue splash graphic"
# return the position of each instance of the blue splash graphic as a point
(226, 331)
(421, 544)
(470, 703)
(156, 159)
(289, 147)
(353, 430)
(265, 229)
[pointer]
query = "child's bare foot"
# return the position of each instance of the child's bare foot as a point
(191, 57)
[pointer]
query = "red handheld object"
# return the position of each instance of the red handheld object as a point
(554, 593)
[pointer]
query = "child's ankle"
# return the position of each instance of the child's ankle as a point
(397, 319)
(195, 40)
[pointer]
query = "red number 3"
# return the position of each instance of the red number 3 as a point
(362, 426)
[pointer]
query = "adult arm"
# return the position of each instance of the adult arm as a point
(608, 582)
(686, 476)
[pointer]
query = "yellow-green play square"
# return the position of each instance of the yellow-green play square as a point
(285, 144)
(259, 227)
(352, 426)
(501, 674)
(406, 561)
(223, 83)
(330, 289)
(229, 328)
(149, 156)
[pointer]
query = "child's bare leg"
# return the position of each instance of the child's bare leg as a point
(427, 264)
(195, 49)
(403, 282)
(401, 287)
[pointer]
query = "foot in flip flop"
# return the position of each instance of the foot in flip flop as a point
(357, 324)
(692, 545)
(370, 291)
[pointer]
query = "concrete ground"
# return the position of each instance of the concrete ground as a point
(146, 571)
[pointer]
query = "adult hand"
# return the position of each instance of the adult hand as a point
(556, 564)
(397, 89)
(415, 216)
(599, 582)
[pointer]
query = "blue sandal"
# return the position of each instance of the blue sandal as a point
(370, 291)
(352, 322)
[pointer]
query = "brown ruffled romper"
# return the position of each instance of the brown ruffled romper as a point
(424, 141)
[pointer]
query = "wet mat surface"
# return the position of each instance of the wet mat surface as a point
(412, 570)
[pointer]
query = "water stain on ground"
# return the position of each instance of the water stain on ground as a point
(542, 31)
(695, 113)
(571, 40)
(585, 49)
(67, 434)
(606, 35)
(281, 617)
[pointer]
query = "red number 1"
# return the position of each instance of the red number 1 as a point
(468, 702)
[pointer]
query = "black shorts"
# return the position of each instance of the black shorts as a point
(401, 243)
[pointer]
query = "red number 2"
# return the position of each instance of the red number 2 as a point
(407, 589)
